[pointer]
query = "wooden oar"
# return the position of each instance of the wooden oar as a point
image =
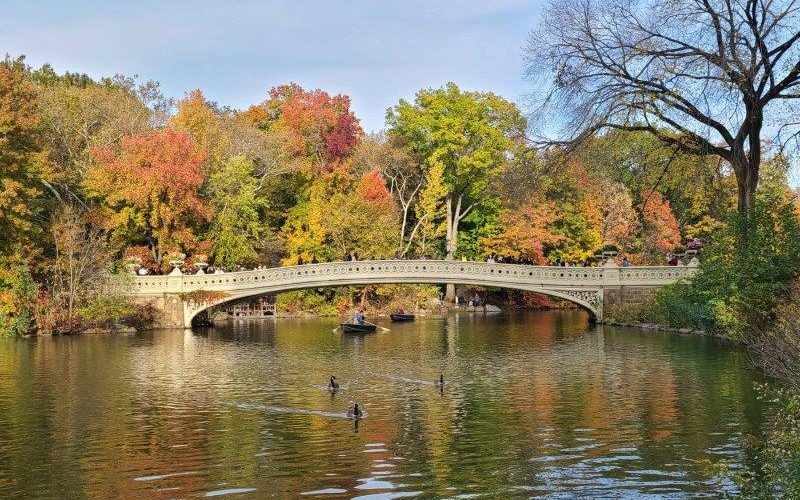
(379, 326)
(336, 329)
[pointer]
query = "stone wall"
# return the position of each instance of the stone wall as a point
(616, 299)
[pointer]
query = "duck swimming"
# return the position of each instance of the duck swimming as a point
(354, 411)
(333, 384)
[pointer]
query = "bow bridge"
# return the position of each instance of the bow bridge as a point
(596, 289)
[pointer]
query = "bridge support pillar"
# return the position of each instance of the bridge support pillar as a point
(170, 307)
(174, 307)
(617, 299)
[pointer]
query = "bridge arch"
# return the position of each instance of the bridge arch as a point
(590, 301)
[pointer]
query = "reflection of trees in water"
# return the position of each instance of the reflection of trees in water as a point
(105, 410)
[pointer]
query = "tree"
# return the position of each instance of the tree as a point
(18, 292)
(224, 135)
(81, 263)
(315, 124)
(236, 229)
(618, 216)
(660, 231)
(343, 214)
(404, 175)
(429, 210)
(526, 232)
(469, 135)
(366, 219)
(578, 234)
(79, 116)
(22, 162)
(703, 76)
(701, 189)
(149, 190)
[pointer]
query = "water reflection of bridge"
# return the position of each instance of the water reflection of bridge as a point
(595, 289)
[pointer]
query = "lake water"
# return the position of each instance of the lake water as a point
(534, 405)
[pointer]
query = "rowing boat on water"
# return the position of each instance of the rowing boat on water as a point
(401, 317)
(356, 328)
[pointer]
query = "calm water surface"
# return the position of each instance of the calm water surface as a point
(535, 405)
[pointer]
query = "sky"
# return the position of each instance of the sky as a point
(377, 51)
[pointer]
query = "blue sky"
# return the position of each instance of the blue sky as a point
(235, 51)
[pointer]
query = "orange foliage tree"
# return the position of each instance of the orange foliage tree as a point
(526, 232)
(660, 233)
(149, 190)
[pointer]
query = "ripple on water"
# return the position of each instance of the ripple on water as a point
(229, 491)
(324, 491)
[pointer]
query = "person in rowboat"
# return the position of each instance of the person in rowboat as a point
(333, 384)
(358, 317)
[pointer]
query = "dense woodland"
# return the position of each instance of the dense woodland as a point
(97, 174)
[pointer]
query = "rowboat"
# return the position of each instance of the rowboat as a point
(356, 328)
(401, 317)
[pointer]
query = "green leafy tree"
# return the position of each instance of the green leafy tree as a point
(236, 229)
(469, 135)
(18, 293)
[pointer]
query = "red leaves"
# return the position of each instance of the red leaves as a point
(319, 126)
(163, 165)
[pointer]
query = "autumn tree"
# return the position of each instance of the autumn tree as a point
(703, 76)
(526, 232)
(343, 214)
(366, 219)
(148, 190)
(224, 134)
(618, 223)
(430, 209)
(701, 189)
(316, 125)
(78, 115)
(22, 162)
(660, 232)
(404, 175)
(80, 266)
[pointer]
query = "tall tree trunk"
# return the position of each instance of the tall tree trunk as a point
(451, 240)
(746, 167)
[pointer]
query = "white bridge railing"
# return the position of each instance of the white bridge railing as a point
(412, 271)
